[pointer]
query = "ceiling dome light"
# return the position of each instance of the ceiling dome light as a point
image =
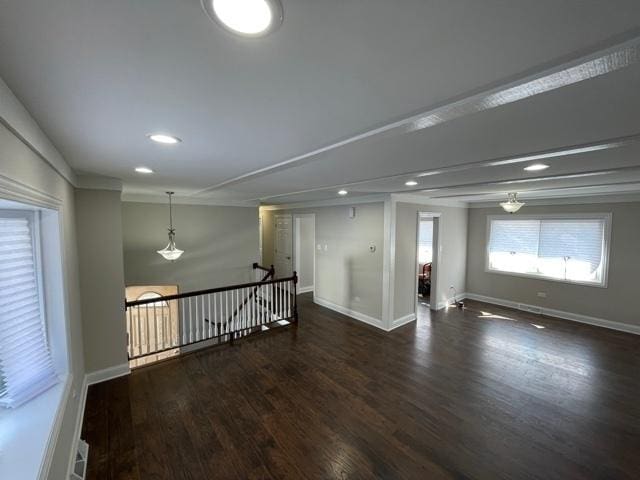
(164, 138)
(536, 167)
(512, 205)
(143, 170)
(250, 18)
(342, 192)
(411, 183)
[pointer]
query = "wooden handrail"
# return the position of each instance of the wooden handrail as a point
(211, 290)
(260, 267)
(270, 273)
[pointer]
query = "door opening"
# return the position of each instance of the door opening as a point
(159, 321)
(283, 247)
(427, 261)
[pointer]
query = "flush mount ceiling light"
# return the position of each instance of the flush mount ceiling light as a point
(171, 252)
(249, 18)
(536, 167)
(411, 183)
(163, 138)
(143, 170)
(342, 192)
(512, 205)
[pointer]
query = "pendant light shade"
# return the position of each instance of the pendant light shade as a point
(512, 205)
(171, 252)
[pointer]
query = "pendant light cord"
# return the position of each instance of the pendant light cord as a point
(170, 213)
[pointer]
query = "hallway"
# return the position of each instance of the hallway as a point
(486, 392)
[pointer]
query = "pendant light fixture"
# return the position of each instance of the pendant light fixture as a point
(170, 252)
(512, 205)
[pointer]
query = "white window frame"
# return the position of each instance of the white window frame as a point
(606, 217)
(31, 429)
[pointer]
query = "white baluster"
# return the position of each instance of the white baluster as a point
(155, 327)
(226, 311)
(209, 313)
(139, 328)
(146, 322)
(130, 332)
(184, 321)
(215, 315)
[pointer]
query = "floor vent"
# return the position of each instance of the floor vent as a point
(79, 471)
(530, 308)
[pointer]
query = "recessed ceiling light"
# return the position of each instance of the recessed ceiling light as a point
(411, 183)
(250, 18)
(143, 170)
(536, 167)
(342, 192)
(164, 138)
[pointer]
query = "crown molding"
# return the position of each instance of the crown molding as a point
(375, 198)
(97, 182)
(424, 200)
(147, 198)
(17, 119)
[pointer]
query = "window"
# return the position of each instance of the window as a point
(26, 367)
(568, 248)
(425, 241)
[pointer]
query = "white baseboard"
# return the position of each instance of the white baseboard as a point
(449, 301)
(108, 373)
(574, 317)
(78, 428)
(376, 322)
(398, 322)
(91, 379)
(305, 289)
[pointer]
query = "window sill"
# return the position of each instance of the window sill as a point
(534, 276)
(27, 433)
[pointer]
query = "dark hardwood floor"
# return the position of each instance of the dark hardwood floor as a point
(481, 393)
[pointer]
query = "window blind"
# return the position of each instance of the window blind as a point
(560, 248)
(515, 236)
(26, 368)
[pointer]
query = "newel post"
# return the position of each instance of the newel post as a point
(295, 297)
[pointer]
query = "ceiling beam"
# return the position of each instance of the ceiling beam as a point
(584, 67)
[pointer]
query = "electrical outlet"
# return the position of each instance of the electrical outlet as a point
(542, 294)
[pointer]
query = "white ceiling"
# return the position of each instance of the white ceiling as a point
(99, 75)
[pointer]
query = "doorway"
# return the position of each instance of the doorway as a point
(304, 254)
(152, 328)
(427, 260)
(283, 246)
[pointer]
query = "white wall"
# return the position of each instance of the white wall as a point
(99, 227)
(304, 253)
(452, 244)
(20, 163)
(614, 303)
(220, 244)
(348, 275)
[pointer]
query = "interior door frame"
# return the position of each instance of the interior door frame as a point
(275, 243)
(296, 246)
(435, 261)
